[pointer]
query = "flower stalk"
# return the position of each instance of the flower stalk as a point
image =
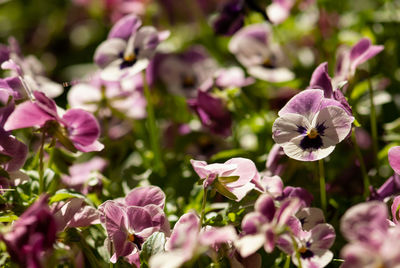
(152, 126)
(41, 164)
(362, 164)
(322, 186)
(374, 128)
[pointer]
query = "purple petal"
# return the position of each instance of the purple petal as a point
(265, 205)
(138, 218)
(214, 236)
(365, 222)
(321, 79)
(114, 217)
(395, 209)
(306, 103)
(27, 114)
(125, 27)
(122, 245)
(185, 233)
(363, 51)
(146, 195)
(322, 236)
(394, 158)
(310, 217)
(252, 221)
(83, 128)
(15, 149)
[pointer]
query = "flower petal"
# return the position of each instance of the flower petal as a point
(146, 195)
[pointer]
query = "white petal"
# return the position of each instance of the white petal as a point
(285, 128)
(249, 244)
(275, 75)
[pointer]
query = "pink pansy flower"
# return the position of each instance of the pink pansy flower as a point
(373, 242)
(187, 241)
(233, 179)
(31, 235)
(254, 48)
(129, 222)
(349, 59)
(128, 48)
(313, 245)
(82, 176)
(100, 96)
(309, 126)
(29, 72)
(264, 226)
(76, 129)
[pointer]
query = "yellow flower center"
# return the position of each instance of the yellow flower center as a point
(313, 133)
(131, 237)
(302, 250)
(130, 57)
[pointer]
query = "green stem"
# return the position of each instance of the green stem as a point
(374, 128)
(322, 186)
(362, 164)
(41, 165)
(296, 249)
(203, 207)
(152, 127)
(287, 262)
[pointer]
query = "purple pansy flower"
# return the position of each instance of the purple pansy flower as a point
(212, 112)
(373, 242)
(233, 179)
(183, 73)
(129, 222)
(76, 129)
(128, 48)
(264, 226)
(187, 240)
(309, 126)
(32, 234)
(254, 48)
(349, 59)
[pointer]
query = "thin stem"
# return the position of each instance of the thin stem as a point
(152, 127)
(287, 262)
(203, 207)
(41, 166)
(362, 164)
(322, 187)
(374, 128)
(296, 249)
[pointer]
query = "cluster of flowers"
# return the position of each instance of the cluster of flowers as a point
(136, 228)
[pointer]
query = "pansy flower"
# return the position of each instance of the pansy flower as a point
(130, 221)
(76, 129)
(312, 245)
(183, 73)
(265, 225)
(233, 179)
(309, 126)
(349, 59)
(231, 18)
(254, 48)
(188, 240)
(128, 48)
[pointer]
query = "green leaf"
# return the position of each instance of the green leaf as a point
(229, 179)
(228, 154)
(4, 158)
(223, 190)
(64, 194)
(8, 218)
(153, 245)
